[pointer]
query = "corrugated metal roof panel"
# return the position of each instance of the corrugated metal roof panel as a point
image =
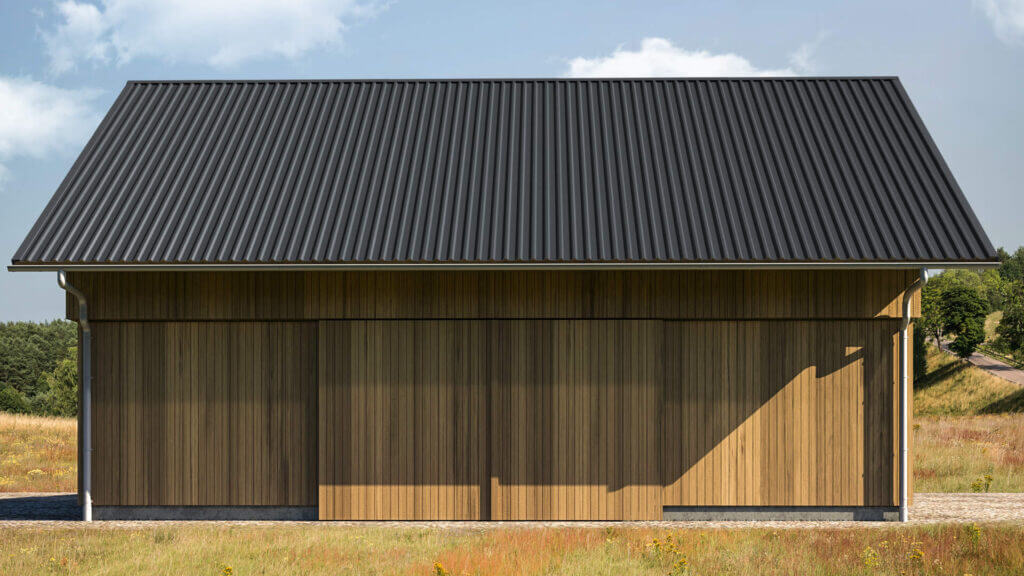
(432, 171)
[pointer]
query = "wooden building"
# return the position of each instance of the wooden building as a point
(501, 299)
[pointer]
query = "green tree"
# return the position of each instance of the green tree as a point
(30, 350)
(61, 398)
(930, 323)
(30, 353)
(988, 284)
(1011, 266)
(994, 287)
(1011, 327)
(963, 315)
(11, 400)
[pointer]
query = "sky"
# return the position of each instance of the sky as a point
(63, 63)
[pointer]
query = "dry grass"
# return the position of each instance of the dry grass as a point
(968, 425)
(941, 549)
(952, 387)
(37, 454)
(952, 454)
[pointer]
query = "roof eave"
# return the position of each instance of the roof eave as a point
(411, 266)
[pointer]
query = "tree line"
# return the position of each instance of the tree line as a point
(955, 304)
(39, 368)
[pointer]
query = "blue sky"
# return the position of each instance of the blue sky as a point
(63, 63)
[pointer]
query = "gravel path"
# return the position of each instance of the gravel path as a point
(61, 511)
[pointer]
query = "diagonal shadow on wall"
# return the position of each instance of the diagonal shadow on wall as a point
(609, 419)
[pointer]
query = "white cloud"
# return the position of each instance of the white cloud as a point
(78, 37)
(804, 58)
(659, 57)
(217, 33)
(1007, 18)
(37, 119)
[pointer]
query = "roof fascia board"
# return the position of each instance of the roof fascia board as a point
(501, 266)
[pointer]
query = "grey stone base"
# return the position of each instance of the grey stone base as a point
(781, 513)
(204, 513)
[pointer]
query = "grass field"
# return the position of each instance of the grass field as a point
(991, 322)
(37, 454)
(952, 387)
(955, 454)
(969, 425)
(943, 549)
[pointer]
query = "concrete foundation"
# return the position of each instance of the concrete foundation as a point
(204, 513)
(781, 513)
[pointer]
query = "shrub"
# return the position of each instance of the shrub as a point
(870, 557)
(973, 533)
(666, 553)
(61, 398)
(12, 401)
(982, 484)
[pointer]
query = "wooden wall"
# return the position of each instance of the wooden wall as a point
(779, 413)
(403, 420)
(569, 395)
(575, 422)
(679, 294)
(204, 413)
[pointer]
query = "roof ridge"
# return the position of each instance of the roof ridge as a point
(511, 79)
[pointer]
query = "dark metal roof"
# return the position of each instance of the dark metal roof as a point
(501, 171)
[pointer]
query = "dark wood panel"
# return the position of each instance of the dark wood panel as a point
(680, 294)
(209, 413)
(402, 420)
(575, 420)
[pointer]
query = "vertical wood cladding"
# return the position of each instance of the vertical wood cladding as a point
(779, 413)
(496, 395)
(575, 420)
(204, 413)
(640, 294)
(403, 420)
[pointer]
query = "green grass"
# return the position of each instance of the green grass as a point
(953, 387)
(991, 322)
(286, 550)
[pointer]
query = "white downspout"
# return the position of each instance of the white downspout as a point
(86, 355)
(904, 395)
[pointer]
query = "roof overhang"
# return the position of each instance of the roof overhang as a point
(383, 266)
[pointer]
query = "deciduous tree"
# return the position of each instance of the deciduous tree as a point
(963, 316)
